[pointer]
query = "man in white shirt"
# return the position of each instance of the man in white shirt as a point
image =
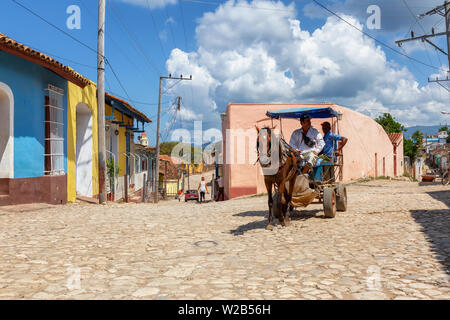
(308, 141)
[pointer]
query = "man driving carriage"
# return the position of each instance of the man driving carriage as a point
(308, 141)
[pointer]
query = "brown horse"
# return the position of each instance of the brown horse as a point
(279, 163)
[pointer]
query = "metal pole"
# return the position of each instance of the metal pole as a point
(125, 186)
(101, 100)
(165, 180)
(157, 141)
(143, 187)
(447, 24)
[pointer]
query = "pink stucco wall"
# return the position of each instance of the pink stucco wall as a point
(366, 151)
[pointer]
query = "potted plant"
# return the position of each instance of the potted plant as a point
(112, 169)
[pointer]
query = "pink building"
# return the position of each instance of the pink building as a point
(370, 152)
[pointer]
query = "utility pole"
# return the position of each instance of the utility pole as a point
(443, 10)
(158, 129)
(101, 101)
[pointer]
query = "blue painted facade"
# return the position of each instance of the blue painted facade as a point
(28, 82)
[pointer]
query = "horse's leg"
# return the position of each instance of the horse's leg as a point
(282, 191)
(270, 202)
(289, 196)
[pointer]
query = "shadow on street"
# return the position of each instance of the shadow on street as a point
(436, 226)
(295, 216)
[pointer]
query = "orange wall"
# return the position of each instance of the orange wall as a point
(366, 138)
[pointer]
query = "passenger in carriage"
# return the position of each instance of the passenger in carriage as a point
(308, 141)
(331, 139)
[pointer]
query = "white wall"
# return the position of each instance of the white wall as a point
(84, 150)
(6, 132)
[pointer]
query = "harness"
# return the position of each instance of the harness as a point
(286, 151)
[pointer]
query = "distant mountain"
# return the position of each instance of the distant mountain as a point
(423, 129)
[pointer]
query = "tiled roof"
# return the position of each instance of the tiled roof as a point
(22, 51)
(163, 157)
(129, 107)
(395, 137)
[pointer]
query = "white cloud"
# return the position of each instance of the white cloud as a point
(152, 3)
(248, 55)
(395, 15)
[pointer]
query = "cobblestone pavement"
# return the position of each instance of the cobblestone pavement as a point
(392, 243)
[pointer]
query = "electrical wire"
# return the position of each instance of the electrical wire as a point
(133, 37)
(373, 38)
(118, 46)
(170, 24)
(421, 26)
(156, 30)
(183, 24)
(54, 26)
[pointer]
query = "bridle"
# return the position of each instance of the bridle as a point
(264, 159)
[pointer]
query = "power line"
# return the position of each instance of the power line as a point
(184, 27)
(215, 3)
(423, 29)
(119, 47)
(156, 30)
(117, 78)
(375, 39)
(54, 26)
(170, 25)
(137, 43)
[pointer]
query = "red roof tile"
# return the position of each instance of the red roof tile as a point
(22, 51)
(395, 137)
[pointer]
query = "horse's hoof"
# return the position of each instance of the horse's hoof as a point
(288, 223)
(283, 224)
(269, 227)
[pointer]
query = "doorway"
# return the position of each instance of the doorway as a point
(6, 132)
(84, 150)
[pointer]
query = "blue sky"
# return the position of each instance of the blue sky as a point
(231, 47)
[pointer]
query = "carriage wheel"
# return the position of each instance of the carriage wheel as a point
(341, 200)
(446, 179)
(329, 202)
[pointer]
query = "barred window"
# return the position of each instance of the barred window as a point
(54, 131)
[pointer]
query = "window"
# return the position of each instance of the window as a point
(54, 132)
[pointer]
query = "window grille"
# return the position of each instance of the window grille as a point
(54, 131)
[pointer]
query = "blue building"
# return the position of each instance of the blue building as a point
(33, 125)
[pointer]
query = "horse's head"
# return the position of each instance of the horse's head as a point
(264, 145)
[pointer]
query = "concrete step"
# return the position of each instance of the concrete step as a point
(87, 199)
(4, 186)
(4, 200)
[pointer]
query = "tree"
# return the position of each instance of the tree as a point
(411, 146)
(417, 137)
(409, 149)
(167, 147)
(389, 124)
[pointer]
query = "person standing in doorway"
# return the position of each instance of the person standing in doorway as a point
(220, 193)
(202, 187)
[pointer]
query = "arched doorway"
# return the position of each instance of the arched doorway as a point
(84, 150)
(6, 132)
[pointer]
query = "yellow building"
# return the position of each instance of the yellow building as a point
(82, 142)
(122, 121)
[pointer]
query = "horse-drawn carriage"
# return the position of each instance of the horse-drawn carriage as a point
(320, 185)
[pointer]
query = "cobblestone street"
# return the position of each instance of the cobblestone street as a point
(392, 243)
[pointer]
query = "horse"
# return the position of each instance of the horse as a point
(287, 170)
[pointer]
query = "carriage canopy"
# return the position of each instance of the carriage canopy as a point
(296, 113)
